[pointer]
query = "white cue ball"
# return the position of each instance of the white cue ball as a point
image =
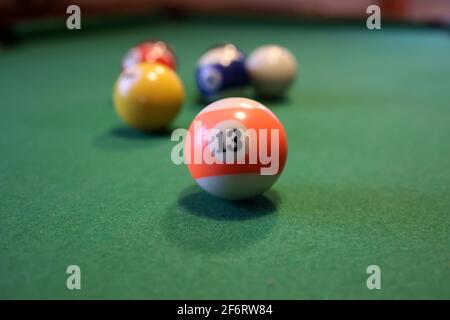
(272, 69)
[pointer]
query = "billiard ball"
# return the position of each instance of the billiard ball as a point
(236, 148)
(150, 51)
(221, 72)
(148, 96)
(272, 69)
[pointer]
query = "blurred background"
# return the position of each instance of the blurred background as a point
(435, 12)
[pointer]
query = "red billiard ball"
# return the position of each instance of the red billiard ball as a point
(236, 148)
(151, 52)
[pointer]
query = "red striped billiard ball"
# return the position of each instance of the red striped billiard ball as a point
(236, 148)
(151, 52)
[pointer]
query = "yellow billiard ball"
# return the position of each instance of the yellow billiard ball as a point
(148, 96)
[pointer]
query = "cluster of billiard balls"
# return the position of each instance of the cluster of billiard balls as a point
(224, 71)
(148, 95)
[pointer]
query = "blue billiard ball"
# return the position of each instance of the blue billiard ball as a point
(221, 72)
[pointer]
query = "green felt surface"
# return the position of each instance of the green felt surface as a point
(367, 179)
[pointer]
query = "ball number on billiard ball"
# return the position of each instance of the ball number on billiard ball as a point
(151, 52)
(244, 177)
(272, 69)
(148, 96)
(221, 72)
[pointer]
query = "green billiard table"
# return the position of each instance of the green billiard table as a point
(367, 180)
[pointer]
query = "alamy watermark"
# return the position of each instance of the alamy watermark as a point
(228, 146)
